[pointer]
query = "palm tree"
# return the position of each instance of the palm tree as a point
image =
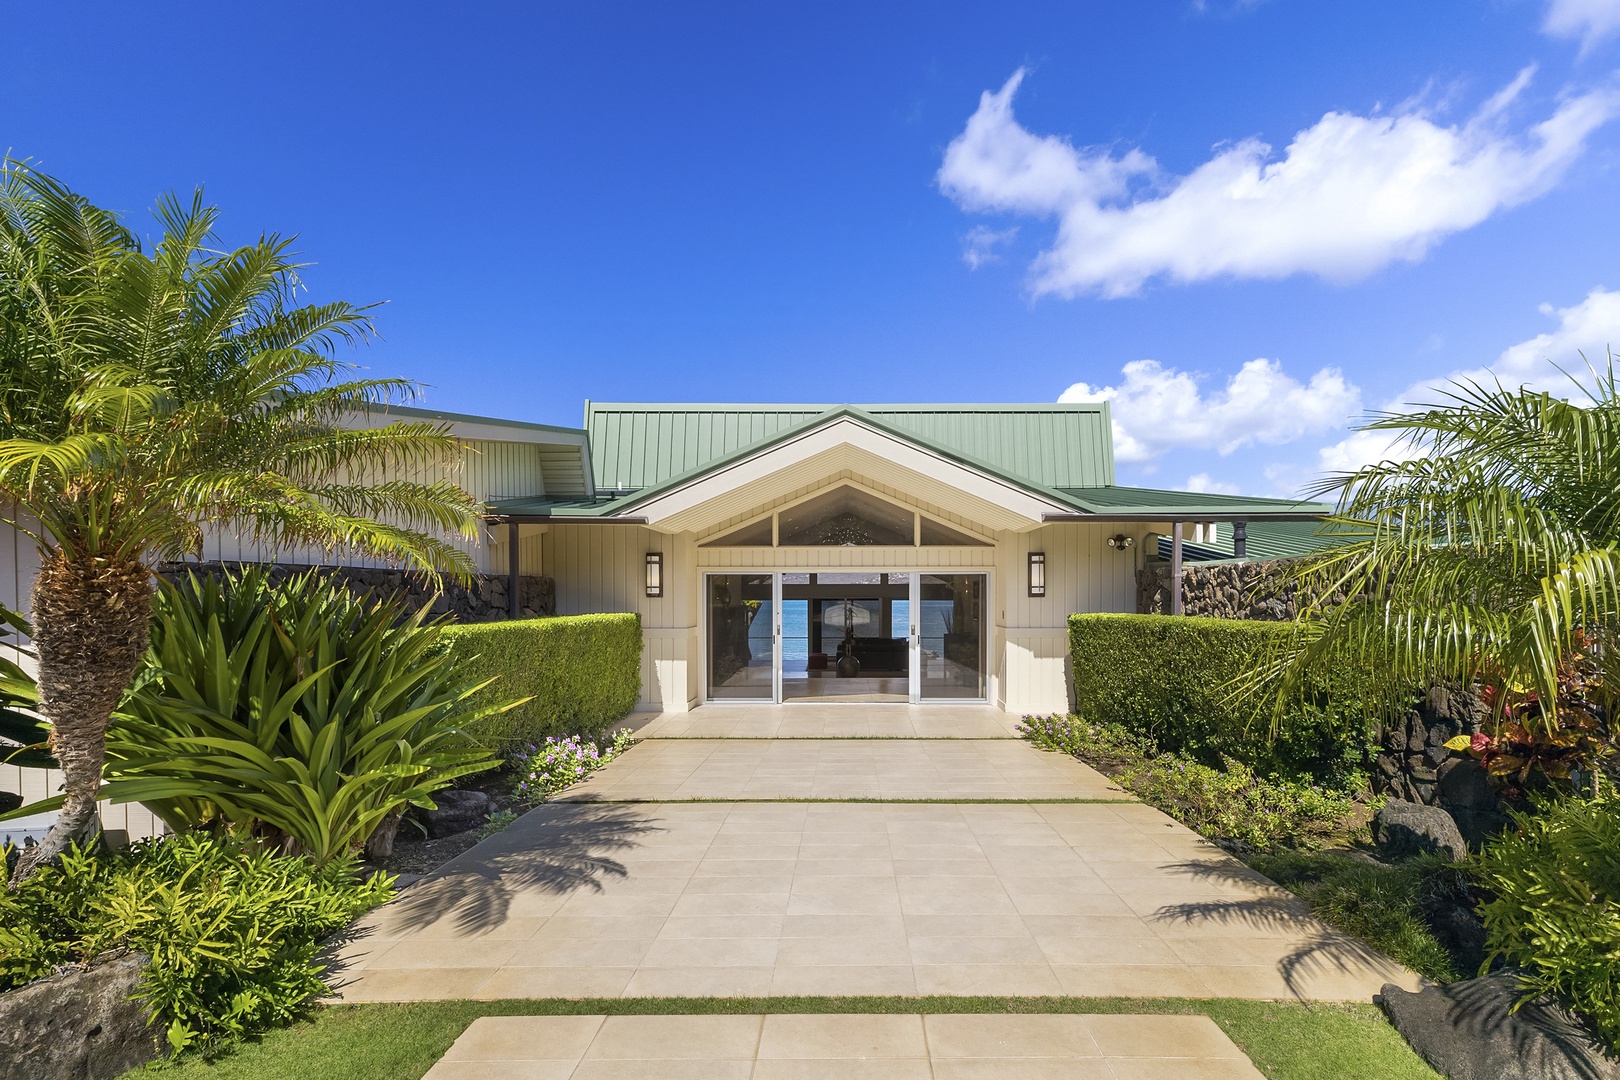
(145, 395)
(1489, 556)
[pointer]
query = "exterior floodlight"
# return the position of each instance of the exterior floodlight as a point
(655, 573)
(1119, 541)
(1037, 573)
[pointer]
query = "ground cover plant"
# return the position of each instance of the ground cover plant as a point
(1388, 907)
(576, 674)
(1233, 804)
(1286, 1041)
(1554, 907)
(231, 928)
(557, 763)
(146, 393)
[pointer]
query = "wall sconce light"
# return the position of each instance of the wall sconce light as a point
(655, 573)
(1120, 542)
(1037, 573)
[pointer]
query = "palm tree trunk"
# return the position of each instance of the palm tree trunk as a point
(90, 629)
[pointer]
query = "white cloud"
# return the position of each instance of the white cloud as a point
(1589, 20)
(1349, 195)
(1158, 409)
(980, 242)
(1540, 363)
(1204, 483)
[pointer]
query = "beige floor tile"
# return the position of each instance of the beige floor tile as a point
(952, 1036)
(579, 952)
(1131, 980)
(1027, 1069)
(556, 982)
(415, 984)
(842, 1036)
(603, 1069)
(669, 1038)
(435, 953)
(700, 982)
(502, 1070)
(1107, 950)
(975, 950)
(1013, 979)
(843, 952)
(845, 1069)
(1147, 1068)
(712, 952)
(896, 979)
(1160, 1036)
(525, 1038)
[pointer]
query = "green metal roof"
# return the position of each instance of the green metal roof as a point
(637, 446)
(1181, 504)
(1266, 540)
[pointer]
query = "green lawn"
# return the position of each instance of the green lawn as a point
(400, 1042)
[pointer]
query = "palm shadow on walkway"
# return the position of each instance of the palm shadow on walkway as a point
(555, 849)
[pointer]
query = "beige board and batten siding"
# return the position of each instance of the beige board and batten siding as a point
(1032, 669)
(602, 568)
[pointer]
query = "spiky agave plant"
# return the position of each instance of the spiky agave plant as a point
(146, 394)
(1488, 555)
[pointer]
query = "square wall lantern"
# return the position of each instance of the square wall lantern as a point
(655, 573)
(1037, 573)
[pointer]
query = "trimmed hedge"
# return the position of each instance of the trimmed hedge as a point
(1166, 677)
(583, 673)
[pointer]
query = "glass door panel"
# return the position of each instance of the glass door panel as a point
(854, 645)
(742, 662)
(952, 628)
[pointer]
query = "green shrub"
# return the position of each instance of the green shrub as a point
(1385, 906)
(1168, 678)
(1233, 803)
(580, 673)
(296, 712)
(1556, 908)
(232, 931)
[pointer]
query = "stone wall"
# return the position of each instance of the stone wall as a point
(81, 1023)
(1414, 764)
(483, 599)
(1224, 590)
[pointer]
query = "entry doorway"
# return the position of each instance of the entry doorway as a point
(846, 636)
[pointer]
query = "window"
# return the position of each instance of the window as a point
(846, 517)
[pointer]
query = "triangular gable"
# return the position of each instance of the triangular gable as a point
(844, 440)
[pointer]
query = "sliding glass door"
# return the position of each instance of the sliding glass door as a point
(846, 636)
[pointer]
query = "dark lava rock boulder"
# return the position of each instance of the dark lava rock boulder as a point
(457, 812)
(1469, 1031)
(81, 1025)
(1405, 829)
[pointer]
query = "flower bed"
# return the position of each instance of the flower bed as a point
(562, 761)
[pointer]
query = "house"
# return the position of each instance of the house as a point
(854, 553)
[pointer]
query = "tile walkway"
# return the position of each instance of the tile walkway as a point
(621, 889)
(674, 769)
(844, 1047)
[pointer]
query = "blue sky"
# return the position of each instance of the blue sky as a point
(817, 201)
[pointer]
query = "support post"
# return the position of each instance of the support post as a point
(1240, 539)
(1175, 568)
(512, 570)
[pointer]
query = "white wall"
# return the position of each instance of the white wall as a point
(599, 568)
(1082, 574)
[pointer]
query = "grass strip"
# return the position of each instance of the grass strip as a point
(1285, 1040)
